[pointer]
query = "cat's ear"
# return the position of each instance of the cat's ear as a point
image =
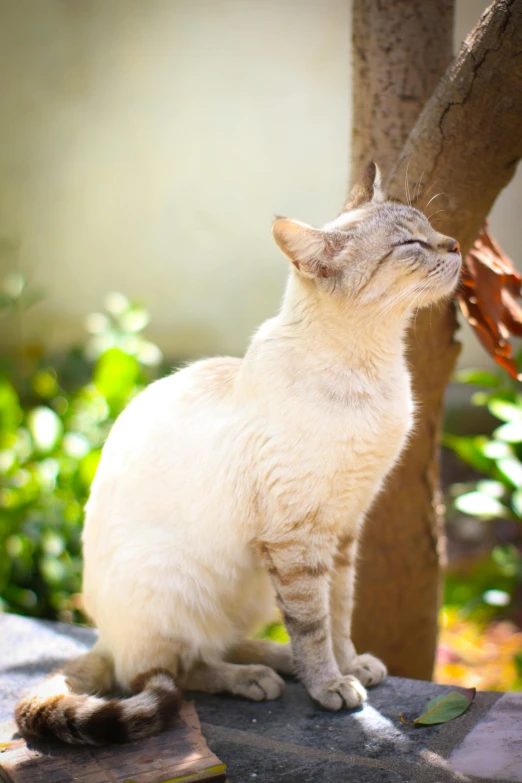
(367, 188)
(310, 250)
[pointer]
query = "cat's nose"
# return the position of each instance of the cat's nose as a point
(451, 245)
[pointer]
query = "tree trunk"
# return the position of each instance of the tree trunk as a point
(400, 51)
(466, 143)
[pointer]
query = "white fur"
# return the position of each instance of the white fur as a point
(226, 452)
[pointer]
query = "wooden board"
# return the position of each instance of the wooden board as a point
(179, 755)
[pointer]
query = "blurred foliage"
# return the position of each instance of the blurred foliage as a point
(498, 457)
(54, 418)
(276, 632)
(481, 637)
(473, 654)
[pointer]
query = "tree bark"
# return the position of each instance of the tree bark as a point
(401, 49)
(466, 144)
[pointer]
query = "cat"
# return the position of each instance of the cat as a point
(236, 485)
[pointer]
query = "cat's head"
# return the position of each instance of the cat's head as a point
(376, 251)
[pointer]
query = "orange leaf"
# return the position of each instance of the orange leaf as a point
(490, 287)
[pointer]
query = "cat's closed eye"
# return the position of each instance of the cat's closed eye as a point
(414, 242)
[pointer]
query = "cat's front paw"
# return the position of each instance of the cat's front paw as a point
(344, 692)
(367, 668)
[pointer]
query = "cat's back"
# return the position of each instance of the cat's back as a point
(205, 381)
(173, 422)
(186, 395)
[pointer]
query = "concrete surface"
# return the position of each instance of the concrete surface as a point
(292, 740)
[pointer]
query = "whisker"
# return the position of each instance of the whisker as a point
(418, 186)
(407, 187)
(422, 291)
(423, 288)
(427, 192)
(417, 290)
(399, 298)
(433, 198)
(420, 294)
(437, 212)
(431, 187)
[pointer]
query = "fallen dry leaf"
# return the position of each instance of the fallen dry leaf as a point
(490, 287)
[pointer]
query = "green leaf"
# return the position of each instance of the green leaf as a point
(480, 398)
(492, 488)
(511, 432)
(470, 450)
(516, 503)
(45, 384)
(517, 660)
(45, 427)
(496, 598)
(504, 410)
(88, 466)
(13, 285)
(511, 469)
(135, 319)
(10, 411)
(478, 504)
(276, 632)
(97, 323)
(495, 449)
(148, 353)
(116, 303)
(446, 707)
(478, 378)
(115, 375)
(507, 558)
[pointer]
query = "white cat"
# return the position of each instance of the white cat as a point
(237, 484)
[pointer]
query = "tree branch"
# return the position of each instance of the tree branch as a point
(468, 140)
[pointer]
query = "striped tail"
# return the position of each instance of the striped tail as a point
(54, 711)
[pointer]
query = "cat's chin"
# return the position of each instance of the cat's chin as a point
(449, 286)
(446, 286)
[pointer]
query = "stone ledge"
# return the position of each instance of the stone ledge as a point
(292, 740)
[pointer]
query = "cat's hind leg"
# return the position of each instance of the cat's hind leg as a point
(274, 654)
(367, 668)
(254, 682)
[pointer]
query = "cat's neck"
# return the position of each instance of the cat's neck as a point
(356, 335)
(324, 348)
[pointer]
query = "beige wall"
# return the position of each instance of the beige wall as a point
(145, 147)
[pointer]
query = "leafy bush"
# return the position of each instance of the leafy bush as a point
(498, 494)
(54, 418)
